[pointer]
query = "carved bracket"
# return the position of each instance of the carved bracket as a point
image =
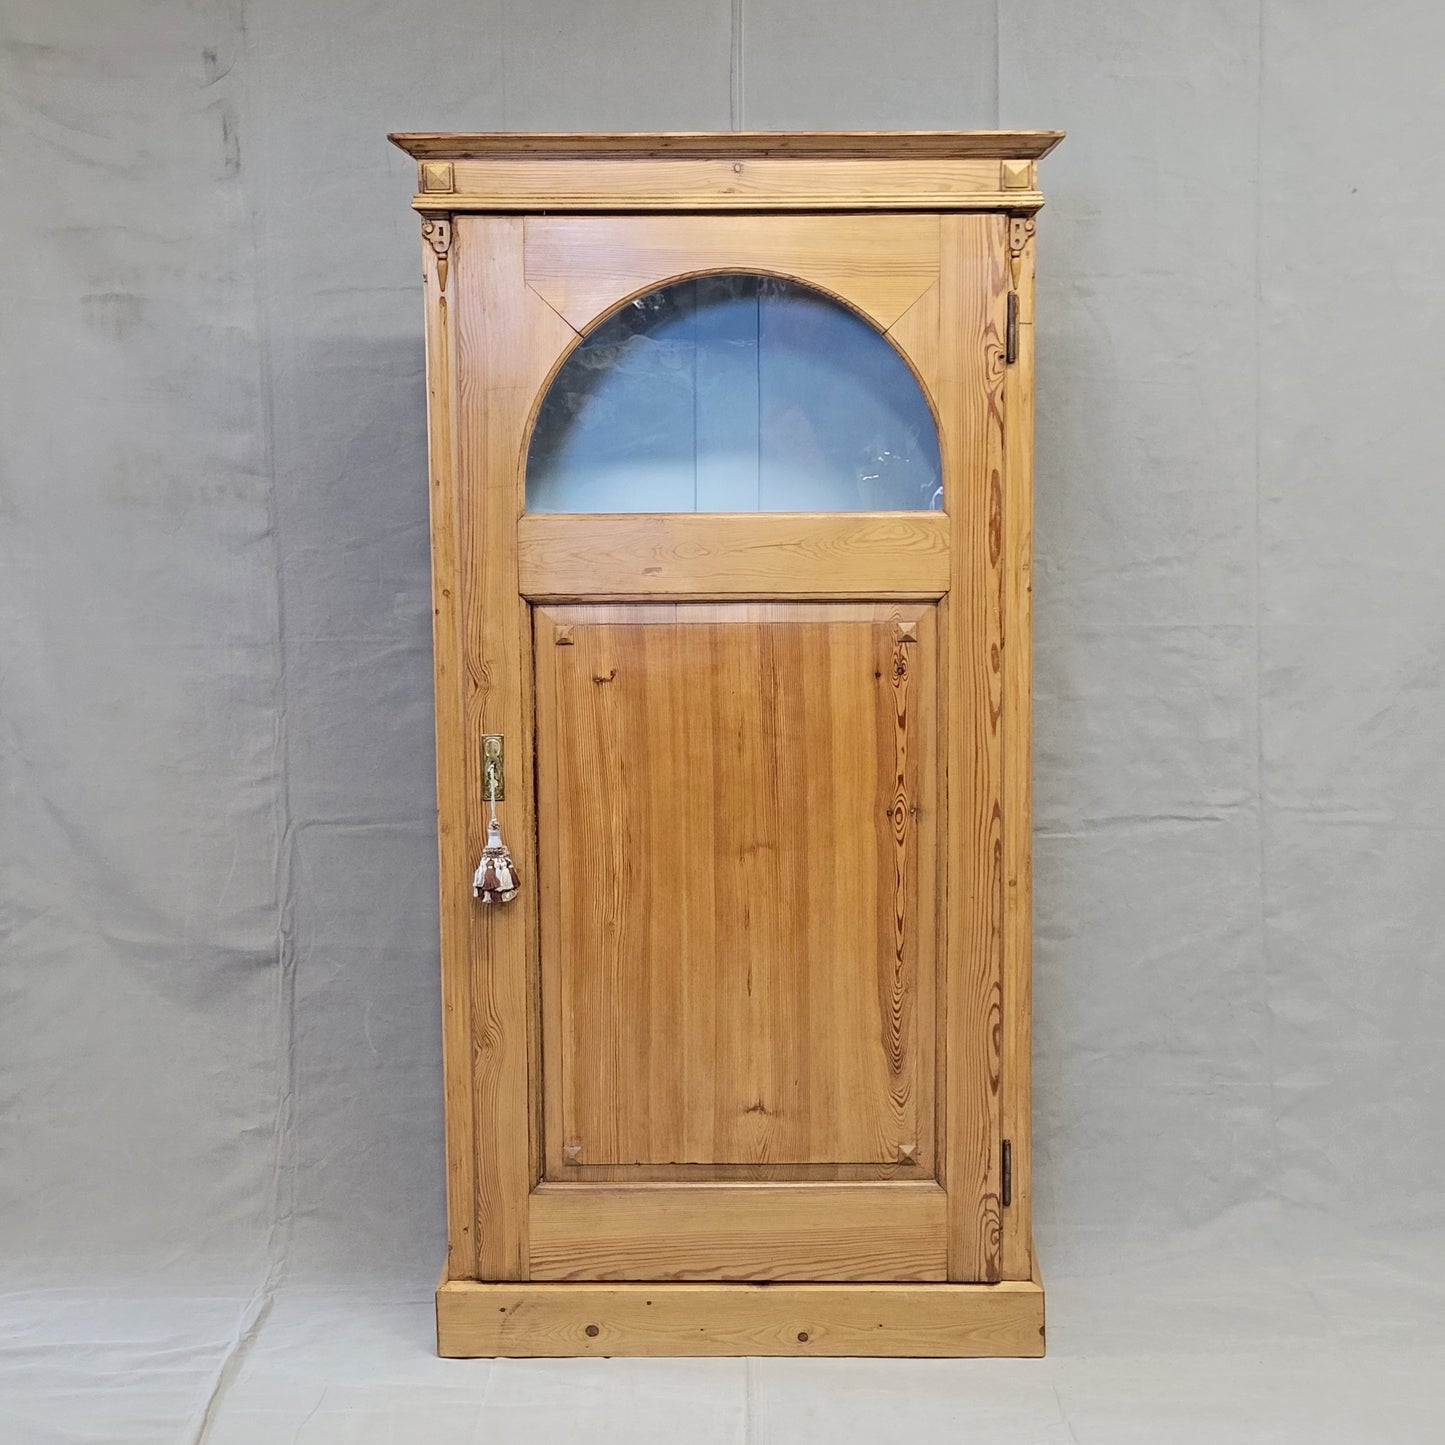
(437, 233)
(1020, 233)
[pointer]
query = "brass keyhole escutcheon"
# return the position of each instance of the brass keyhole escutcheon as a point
(494, 778)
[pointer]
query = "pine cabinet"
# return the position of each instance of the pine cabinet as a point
(730, 471)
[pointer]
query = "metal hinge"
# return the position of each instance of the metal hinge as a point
(1006, 1187)
(1011, 331)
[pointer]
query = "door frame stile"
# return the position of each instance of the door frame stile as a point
(972, 303)
(502, 345)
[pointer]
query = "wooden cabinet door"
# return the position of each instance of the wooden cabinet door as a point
(727, 508)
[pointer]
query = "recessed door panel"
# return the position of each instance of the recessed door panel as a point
(737, 827)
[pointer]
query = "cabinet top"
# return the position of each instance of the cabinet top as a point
(993, 170)
(861, 144)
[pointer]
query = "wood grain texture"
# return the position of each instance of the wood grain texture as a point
(882, 144)
(454, 864)
(759, 554)
(945, 1320)
(585, 267)
(700, 770)
(739, 859)
(529, 184)
(738, 1231)
(972, 296)
(507, 342)
(1016, 1105)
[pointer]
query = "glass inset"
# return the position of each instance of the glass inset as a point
(735, 393)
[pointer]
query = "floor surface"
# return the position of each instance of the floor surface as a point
(1223, 1340)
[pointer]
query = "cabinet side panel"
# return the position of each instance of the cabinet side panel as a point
(1018, 794)
(972, 302)
(451, 786)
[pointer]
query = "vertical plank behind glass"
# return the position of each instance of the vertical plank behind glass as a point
(727, 394)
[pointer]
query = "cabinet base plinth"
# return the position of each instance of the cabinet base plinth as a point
(522, 1319)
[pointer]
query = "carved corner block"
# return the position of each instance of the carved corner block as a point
(437, 177)
(1017, 176)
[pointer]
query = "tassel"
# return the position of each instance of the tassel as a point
(497, 879)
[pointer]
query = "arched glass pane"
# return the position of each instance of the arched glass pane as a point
(734, 393)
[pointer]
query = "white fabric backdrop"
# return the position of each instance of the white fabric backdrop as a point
(219, 1069)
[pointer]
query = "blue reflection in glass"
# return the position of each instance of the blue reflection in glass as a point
(734, 393)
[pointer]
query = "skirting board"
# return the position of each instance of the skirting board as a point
(523, 1319)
